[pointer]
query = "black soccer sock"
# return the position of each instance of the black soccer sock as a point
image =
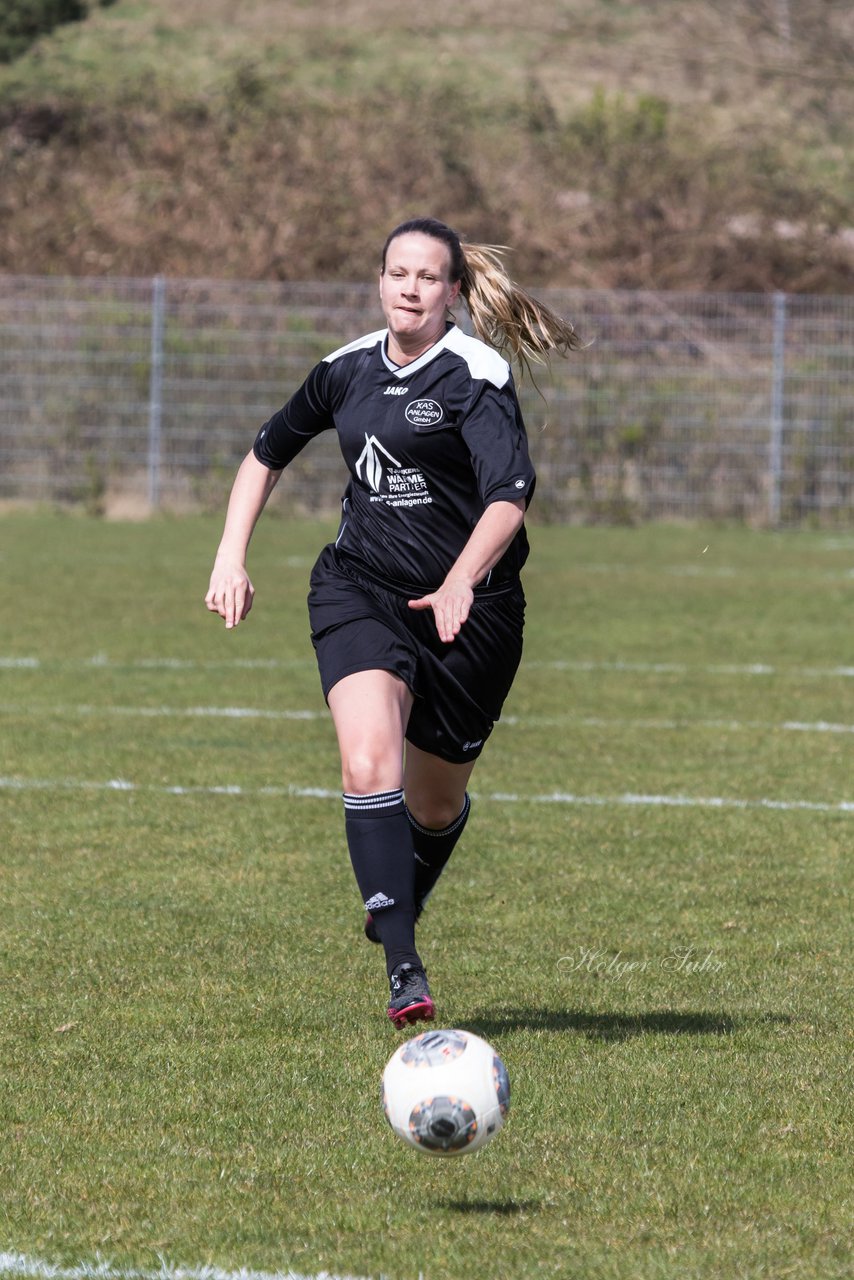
(432, 851)
(380, 841)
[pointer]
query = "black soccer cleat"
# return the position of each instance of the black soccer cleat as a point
(410, 999)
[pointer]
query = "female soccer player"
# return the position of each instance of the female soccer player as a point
(417, 609)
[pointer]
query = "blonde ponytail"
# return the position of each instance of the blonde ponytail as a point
(502, 312)
(505, 315)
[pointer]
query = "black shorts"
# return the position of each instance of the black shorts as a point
(459, 688)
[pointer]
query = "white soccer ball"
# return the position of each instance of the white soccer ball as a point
(446, 1092)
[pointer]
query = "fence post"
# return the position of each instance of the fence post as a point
(155, 390)
(784, 21)
(778, 391)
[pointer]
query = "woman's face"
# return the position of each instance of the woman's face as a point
(415, 292)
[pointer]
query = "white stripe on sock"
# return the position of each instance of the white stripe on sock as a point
(376, 800)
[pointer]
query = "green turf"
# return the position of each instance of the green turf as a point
(193, 1029)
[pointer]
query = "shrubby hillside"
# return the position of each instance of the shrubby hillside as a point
(669, 144)
(22, 22)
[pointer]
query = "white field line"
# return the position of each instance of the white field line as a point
(87, 710)
(728, 726)
(630, 799)
(684, 669)
(26, 1268)
(101, 661)
(710, 571)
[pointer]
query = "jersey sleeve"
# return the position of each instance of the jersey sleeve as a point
(495, 436)
(306, 414)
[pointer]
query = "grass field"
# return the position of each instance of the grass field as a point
(649, 918)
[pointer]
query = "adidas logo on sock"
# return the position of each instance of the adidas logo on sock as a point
(378, 902)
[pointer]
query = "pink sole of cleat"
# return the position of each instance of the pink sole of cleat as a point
(423, 1011)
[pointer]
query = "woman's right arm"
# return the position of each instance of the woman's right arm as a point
(230, 592)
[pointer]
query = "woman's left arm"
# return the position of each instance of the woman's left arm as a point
(490, 538)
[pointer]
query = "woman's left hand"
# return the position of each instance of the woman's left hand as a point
(489, 539)
(450, 605)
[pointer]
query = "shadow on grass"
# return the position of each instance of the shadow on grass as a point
(496, 1208)
(612, 1026)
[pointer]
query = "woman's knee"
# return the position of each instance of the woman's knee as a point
(435, 789)
(437, 812)
(370, 768)
(370, 709)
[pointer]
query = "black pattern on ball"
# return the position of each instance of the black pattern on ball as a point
(433, 1048)
(502, 1084)
(443, 1124)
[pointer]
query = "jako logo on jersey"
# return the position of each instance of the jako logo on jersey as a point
(395, 391)
(370, 459)
(424, 413)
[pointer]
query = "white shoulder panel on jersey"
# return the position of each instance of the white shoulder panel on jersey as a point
(361, 344)
(484, 363)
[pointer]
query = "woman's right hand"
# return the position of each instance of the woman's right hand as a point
(230, 593)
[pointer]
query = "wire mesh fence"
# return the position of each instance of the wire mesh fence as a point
(147, 393)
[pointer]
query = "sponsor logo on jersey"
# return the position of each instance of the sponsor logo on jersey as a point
(395, 391)
(371, 458)
(393, 484)
(424, 413)
(520, 484)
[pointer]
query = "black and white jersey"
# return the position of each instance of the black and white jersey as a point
(429, 445)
